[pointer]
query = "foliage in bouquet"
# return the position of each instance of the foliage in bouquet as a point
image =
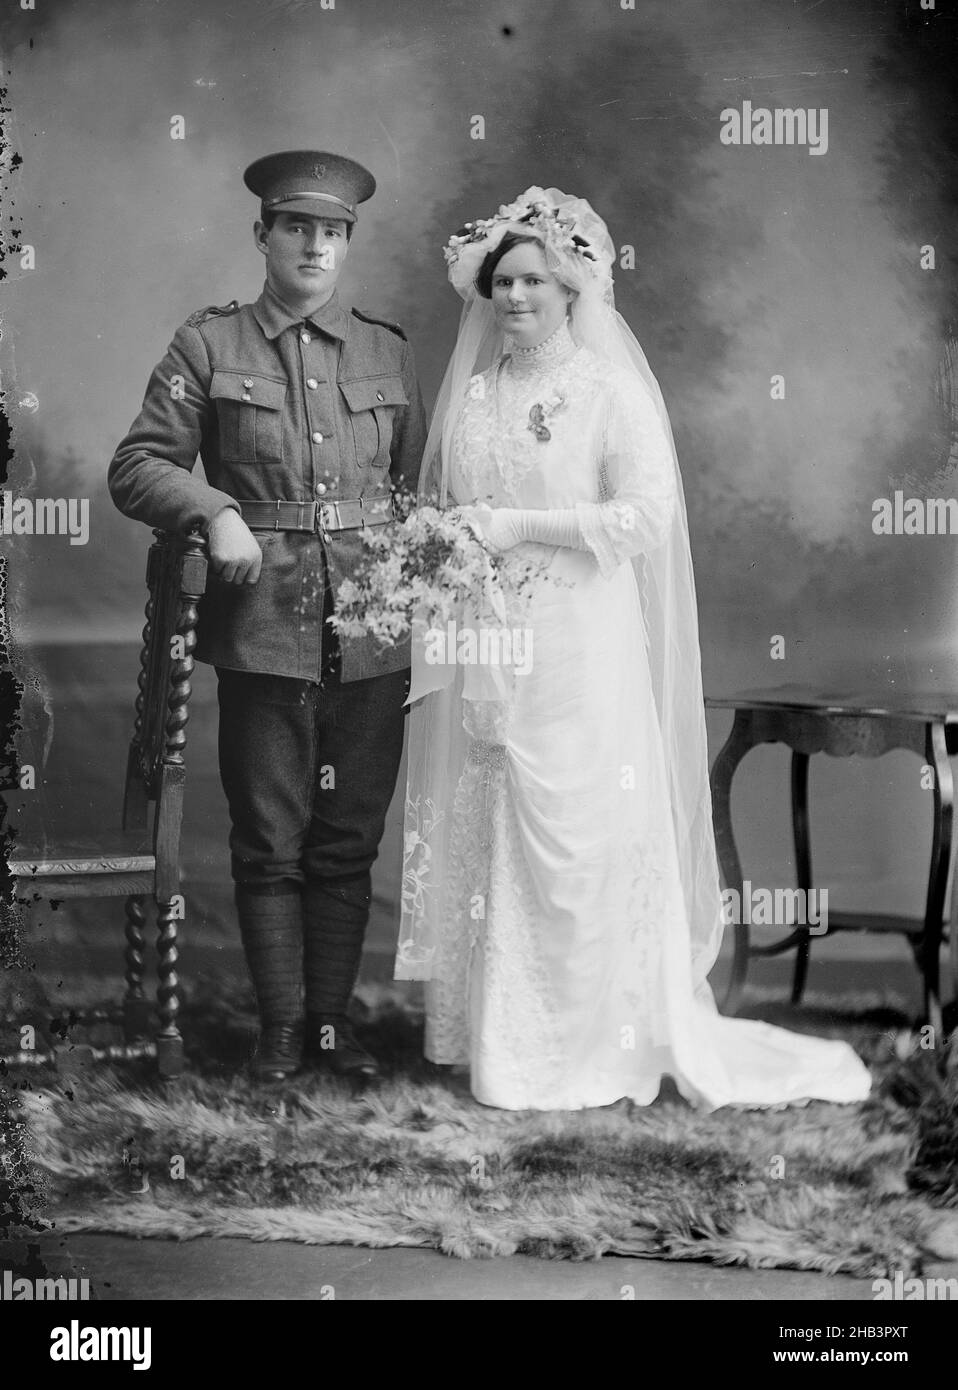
(427, 566)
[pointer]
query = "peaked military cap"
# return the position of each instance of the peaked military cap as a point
(310, 181)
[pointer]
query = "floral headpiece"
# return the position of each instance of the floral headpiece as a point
(531, 209)
(559, 222)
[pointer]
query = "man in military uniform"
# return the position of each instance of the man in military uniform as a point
(306, 417)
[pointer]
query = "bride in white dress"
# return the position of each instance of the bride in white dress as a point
(560, 890)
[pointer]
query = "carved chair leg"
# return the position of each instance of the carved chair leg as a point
(739, 741)
(169, 1043)
(803, 864)
(137, 1009)
(937, 754)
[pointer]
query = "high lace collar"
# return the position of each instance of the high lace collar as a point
(556, 348)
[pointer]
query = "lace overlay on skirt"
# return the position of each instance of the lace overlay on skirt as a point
(560, 958)
(488, 1004)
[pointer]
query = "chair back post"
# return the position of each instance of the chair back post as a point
(170, 775)
(156, 772)
(137, 788)
(190, 585)
(176, 580)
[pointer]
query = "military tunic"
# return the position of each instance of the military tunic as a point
(277, 408)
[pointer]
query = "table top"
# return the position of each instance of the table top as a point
(920, 706)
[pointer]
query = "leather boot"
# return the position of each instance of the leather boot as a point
(331, 1045)
(279, 1052)
(272, 932)
(334, 922)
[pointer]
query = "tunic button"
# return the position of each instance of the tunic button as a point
(320, 488)
(317, 438)
(305, 338)
(312, 383)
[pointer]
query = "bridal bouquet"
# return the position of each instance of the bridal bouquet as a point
(427, 567)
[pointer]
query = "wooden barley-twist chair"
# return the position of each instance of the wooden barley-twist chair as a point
(155, 777)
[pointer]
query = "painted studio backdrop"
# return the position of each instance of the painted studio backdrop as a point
(797, 302)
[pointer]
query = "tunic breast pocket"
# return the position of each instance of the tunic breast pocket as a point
(249, 411)
(373, 403)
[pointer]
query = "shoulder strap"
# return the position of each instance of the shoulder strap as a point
(212, 311)
(383, 323)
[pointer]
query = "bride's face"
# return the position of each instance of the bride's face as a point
(528, 301)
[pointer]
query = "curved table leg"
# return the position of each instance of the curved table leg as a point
(803, 863)
(936, 753)
(739, 741)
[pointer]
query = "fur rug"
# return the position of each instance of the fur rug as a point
(864, 1190)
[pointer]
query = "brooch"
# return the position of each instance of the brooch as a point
(540, 412)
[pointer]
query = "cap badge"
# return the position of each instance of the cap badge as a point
(319, 171)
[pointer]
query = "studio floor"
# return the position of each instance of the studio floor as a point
(120, 1268)
(146, 1270)
(63, 951)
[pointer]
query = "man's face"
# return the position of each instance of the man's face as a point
(304, 255)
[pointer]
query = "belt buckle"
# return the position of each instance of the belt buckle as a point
(276, 522)
(324, 512)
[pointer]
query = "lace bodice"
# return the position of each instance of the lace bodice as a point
(559, 427)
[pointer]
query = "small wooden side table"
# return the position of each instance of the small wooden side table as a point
(841, 724)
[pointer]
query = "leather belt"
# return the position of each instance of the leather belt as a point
(345, 514)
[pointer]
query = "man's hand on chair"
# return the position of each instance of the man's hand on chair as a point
(234, 551)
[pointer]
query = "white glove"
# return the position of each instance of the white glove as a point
(501, 528)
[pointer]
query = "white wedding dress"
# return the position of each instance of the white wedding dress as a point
(562, 973)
